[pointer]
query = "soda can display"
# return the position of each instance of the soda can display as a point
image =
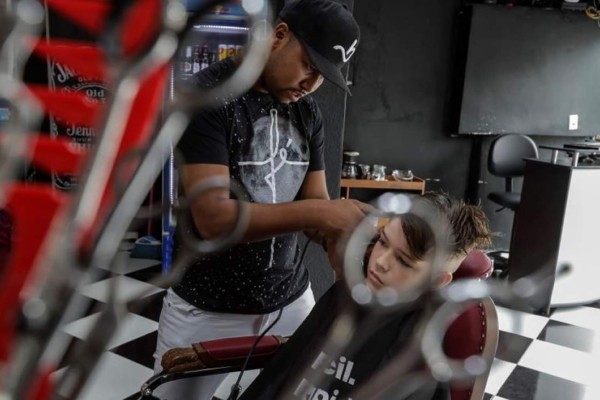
(239, 50)
(222, 52)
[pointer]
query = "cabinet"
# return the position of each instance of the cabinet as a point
(555, 238)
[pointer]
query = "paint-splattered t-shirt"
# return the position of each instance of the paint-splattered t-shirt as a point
(269, 147)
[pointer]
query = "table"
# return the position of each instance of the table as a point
(416, 185)
(575, 152)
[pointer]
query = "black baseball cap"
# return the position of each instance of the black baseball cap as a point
(328, 32)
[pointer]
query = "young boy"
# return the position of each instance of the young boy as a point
(399, 255)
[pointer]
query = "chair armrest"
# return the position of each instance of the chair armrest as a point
(221, 353)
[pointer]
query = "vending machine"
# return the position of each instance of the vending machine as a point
(220, 34)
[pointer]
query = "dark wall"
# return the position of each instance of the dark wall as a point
(403, 102)
(402, 76)
(332, 102)
(396, 114)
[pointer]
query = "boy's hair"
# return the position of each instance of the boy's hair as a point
(420, 238)
(468, 223)
(463, 227)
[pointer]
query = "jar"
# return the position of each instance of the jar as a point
(349, 170)
(378, 172)
(364, 171)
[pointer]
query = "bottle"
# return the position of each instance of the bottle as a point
(204, 60)
(349, 170)
(222, 52)
(231, 50)
(378, 172)
(186, 69)
(196, 60)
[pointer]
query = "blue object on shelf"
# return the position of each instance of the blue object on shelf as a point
(167, 250)
(147, 247)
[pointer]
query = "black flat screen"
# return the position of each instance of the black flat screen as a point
(530, 71)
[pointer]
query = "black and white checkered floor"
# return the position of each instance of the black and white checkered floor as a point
(541, 358)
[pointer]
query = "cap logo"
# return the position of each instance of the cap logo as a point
(346, 54)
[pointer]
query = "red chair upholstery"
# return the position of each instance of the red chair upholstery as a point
(222, 353)
(475, 331)
(476, 265)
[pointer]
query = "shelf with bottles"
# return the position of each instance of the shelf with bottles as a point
(221, 33)
(197, 57)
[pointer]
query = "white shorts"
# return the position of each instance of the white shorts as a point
(182, 324)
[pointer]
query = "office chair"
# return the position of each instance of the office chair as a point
(506, 160)
(474, 332)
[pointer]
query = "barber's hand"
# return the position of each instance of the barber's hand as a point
(342, 216)
(340, 220)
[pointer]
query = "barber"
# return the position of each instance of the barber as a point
(269, 142)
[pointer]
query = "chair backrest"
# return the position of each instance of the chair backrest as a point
(507, 152)
(475, 331)
(477, 264)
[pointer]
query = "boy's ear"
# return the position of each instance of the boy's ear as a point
(443, 279)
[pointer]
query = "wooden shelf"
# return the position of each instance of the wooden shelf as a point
(417, 184)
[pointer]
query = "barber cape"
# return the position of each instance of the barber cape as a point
(303, 368)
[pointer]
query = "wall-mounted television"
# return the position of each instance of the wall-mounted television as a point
(531, 70)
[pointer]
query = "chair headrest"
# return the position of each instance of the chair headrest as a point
(476, 265)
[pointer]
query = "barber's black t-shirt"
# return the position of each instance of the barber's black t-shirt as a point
(269, 147)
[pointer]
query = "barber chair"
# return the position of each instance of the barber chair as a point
(474, 332)
(506, 160)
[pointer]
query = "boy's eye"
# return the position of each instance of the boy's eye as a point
(382, 242)
(404, 263)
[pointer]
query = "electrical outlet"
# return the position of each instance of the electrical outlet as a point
(573, 122)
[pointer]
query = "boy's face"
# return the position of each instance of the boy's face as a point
(391, 263)
(289, 74)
